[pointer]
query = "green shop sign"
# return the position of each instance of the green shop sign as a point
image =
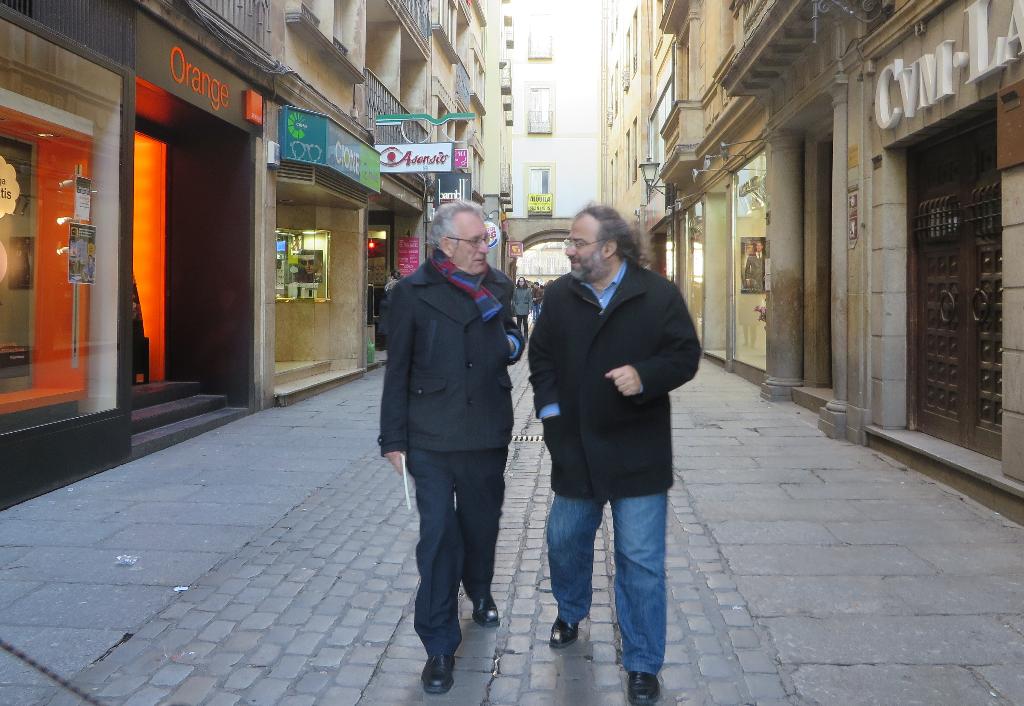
(316, 139)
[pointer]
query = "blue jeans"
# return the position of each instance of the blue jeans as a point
(639, 570)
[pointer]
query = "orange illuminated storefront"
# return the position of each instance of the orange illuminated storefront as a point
(192, 226)
(62, 231)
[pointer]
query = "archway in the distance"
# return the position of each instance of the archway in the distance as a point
(551, 235)
(543, 262)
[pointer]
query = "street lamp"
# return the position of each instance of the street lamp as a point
(649, 171)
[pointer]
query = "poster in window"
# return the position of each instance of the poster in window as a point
(752, 252)
(82, 254)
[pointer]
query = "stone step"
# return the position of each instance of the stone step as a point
(155, 393)
(296, 371)
(293, 392)
(154, 440)
(160, 415)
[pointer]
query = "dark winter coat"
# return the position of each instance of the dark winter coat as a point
(446, 385)
(604, 445)
(522, 300)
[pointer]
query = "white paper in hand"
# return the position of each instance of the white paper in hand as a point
(405, 482)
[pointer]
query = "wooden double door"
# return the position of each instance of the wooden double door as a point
(956, 308)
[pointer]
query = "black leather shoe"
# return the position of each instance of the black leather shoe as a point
(437, 674)
(485, 613)
(563, 634)
(642, 688)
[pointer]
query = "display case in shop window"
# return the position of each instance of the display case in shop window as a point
(303, 263)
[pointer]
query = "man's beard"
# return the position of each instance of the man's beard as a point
(591, 269)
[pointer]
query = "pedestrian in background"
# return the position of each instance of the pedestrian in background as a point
(538, 300)
(447, 404)
(522, 300)
(614, 340)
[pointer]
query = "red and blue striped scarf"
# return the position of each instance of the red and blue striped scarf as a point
(473, 286)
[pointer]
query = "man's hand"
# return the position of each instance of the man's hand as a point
(626, 379)
(396, 460)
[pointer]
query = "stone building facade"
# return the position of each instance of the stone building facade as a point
(852, 178)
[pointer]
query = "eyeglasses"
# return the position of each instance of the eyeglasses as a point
(473, 242)
(578, 244)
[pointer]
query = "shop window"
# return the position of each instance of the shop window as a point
(751, 255)
(303, 264)
(60, 155)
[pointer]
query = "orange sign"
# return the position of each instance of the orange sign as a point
(515, 248)
(202, 83)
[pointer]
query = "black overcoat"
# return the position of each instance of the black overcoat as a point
(446, 385)
(604, 445)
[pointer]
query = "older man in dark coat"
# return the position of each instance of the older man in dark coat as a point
(447, 403)
(614, 340)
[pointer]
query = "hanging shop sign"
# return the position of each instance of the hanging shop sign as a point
(930, 79)
(515, 248)
(184, 70)
(539, 204)
(453, 187)
(493, 234)
(416, 158)
(408, 255)
(313, 138)
(10, 190)
(461, 158)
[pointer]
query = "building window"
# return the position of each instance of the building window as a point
(635, 46)
(750, 225)
(540, 117)
(539, 197)
(60, 157)
(303, 263)
(634, 148)
(541, 43)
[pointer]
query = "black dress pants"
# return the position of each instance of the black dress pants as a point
(523, 322)
(459, 496)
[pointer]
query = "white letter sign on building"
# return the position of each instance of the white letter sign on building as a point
(929, 80)
(416, 158)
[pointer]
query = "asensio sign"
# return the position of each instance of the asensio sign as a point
(929, 80)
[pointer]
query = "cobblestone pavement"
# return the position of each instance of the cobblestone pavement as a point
(800, 570)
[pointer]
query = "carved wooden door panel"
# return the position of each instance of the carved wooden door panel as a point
(957, 336)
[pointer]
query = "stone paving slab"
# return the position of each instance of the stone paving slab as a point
(800, 570)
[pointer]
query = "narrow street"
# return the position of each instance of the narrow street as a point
(801, 570)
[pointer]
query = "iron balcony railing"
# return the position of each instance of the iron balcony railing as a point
(506, 79)
(381, 101)
(506, 180)
(463, 86)
(250, 17)
(419, 10)
(510, 38)
(539, 121)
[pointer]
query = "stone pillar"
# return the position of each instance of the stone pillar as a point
(785, 328)
(1013, 323)
(889, 243)
(832, 419)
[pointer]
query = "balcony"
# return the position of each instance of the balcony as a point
(506, 80)
(419, 12)
(683, 133)
(481, 13)
(505, 190)
(463, 86)
(303, 22)
(541, 46)
(251, 19)
(674, 15)
(510, 37)
(381, 101)
(540, 204)
(538, 122)
(775, 37)
(509, 113)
